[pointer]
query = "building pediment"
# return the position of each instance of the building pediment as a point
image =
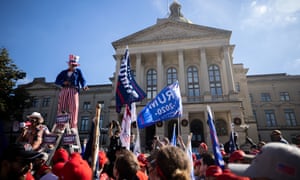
(41, 86)
(38, 83)
(167, 30)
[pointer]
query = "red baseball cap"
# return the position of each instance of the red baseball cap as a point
(102, 158)
(213, 170)
(60, 155)
(76, 168)
(57, 168)
(240, 155)
(197, 163)
(204, 146)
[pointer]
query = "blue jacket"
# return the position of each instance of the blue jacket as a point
(75, 80)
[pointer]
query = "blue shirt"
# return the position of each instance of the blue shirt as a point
(75, 80)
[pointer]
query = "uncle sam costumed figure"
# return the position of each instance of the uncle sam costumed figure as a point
(70, 80)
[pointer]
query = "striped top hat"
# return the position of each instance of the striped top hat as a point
(73, 60)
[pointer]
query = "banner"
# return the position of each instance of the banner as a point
(214, 140)
(126, 128)
(166, 105)
(127, 90)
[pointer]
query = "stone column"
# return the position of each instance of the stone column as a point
(224, 78)
(228, 65)
(204, 79)
(181, 73)
(118, 63)
(159, 67)
(138, 69)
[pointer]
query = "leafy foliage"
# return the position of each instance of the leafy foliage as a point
(12, 100)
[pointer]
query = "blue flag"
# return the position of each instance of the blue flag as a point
(127, 90)
(166, 105)
(214, 140)
(173, 140)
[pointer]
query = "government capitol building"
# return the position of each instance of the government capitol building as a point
(200, 58)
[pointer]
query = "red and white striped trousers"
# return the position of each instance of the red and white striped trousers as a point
(68, 101)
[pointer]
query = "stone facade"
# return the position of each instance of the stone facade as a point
(189, 50)
(275, 101)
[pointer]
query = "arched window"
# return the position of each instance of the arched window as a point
(215, 80)
(221, 127)
(193, 83)
(151, 83)
(171, 75)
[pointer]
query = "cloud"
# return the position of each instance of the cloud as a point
(271, 13)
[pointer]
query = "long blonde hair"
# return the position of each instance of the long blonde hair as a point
(173, 163)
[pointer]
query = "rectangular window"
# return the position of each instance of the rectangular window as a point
(270, 118)
(284, 96)
(86, 105)
(254, 114)
(151, 80)
(84, 123)
(35, 102)
(290, 117)
(151, 92)
(46, 102)
(45, 116)
(251, 97)
(237, 87)
(265, 97)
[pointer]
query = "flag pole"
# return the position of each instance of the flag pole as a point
(190, 153)
(95, 146)
(174, 139)
(179, 129)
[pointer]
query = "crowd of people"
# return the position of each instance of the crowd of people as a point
(26, 159)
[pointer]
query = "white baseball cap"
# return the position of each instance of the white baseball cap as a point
(276, 161)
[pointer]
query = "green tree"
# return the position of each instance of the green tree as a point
(12, 100)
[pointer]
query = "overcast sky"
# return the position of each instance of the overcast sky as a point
(40, 34)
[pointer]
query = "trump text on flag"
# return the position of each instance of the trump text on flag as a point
(166, 105)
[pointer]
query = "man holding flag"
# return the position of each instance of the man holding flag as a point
(127, 92)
